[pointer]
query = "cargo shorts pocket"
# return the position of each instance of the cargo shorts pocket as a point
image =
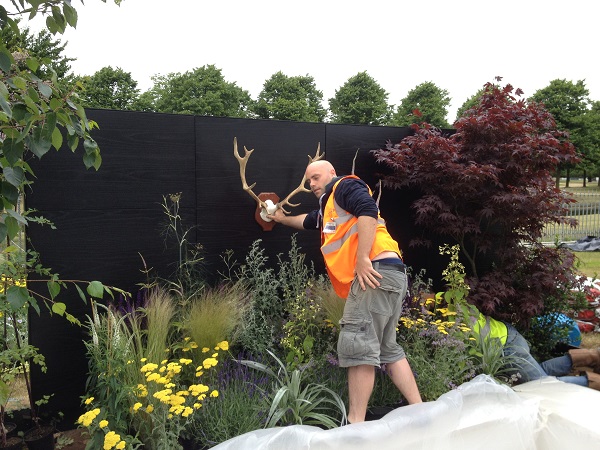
(352, 342)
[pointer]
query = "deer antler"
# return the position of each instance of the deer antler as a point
(301, 187)
(243, 161)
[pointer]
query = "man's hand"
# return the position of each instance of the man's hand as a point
(365, 273)
(278, 216)
(291, 221)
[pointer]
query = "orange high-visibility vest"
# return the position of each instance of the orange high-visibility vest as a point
(340, 244)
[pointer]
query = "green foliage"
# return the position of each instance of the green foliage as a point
(202, 91)
(109, 88)
(216, 314)
(434, 332)
(439, 361)
(569, 104)
(305, 325)
(326, 299)
(114, 351)
(488, 357)
(36, 114)
(290, 98)
(292, 402)
(264, 319)
(237, 409)
(187, 279)
(470, 103)
(41, 46)
(360, 100)
(430, 101)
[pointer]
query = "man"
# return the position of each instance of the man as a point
(364, 265)
(522, 363)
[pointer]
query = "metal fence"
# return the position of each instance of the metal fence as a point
(587, 213)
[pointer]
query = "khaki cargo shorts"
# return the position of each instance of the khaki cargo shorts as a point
(368, 326)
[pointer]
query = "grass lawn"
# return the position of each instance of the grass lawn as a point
(589, 263)
(590, 266)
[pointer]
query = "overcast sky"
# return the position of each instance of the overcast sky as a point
(457, 44)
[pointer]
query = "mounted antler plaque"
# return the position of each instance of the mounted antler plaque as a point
(268, 202)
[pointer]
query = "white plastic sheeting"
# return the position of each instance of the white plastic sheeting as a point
(481, 414)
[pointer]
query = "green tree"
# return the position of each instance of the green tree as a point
(590, 122)
(568, 102)
(360, 101)
(290, 98)
(202, 91)
(40, 46)
(469, 103)
(432, 103)
(36, 114)
(109, 88)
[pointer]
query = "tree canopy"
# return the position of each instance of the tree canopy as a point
(567, 102)
(290, 98)
(109, 88)
(202, 91)
(429, 100)
(360, 100)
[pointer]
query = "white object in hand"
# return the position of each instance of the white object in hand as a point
(271, 208)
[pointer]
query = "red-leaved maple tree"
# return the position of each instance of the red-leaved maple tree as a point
(489, 187)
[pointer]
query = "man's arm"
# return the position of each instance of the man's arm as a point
(290, 221)
(365, 273)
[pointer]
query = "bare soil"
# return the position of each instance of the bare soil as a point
(72, 439)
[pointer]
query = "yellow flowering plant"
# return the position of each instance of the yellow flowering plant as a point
(162, 406)
(96, 420)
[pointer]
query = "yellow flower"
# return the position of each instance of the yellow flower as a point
(187, 411)
(149, 367)
(87, 418)
(137, 406)
(152, 376)
(214, 393)
(149, 409)
(89, 400)
(103, 423)
(185, 361)
(209, 362)
(142, 390)
(205, 349)
(197, 389)
(121, 445)
(111, 439)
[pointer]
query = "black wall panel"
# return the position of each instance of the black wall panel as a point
(108, 220)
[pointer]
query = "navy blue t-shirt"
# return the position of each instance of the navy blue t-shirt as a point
(352, 195)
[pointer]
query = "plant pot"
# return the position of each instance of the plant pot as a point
(13, 443)
(11, 429)
(40, 438)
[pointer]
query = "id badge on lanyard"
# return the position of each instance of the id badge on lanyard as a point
(329, 227)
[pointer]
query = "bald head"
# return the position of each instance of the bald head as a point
(319, 174)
